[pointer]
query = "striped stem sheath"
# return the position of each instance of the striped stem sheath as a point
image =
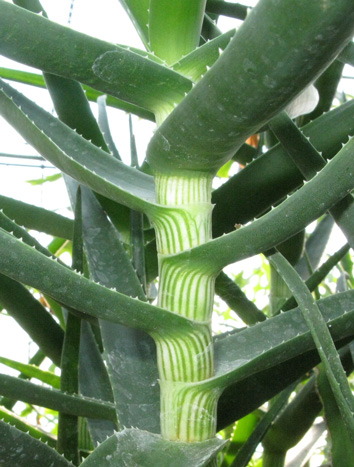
(175, 191)
(187, 413)
(184, 291)
(187, 357)
(172, 236)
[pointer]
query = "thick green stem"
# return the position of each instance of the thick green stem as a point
(187, 413)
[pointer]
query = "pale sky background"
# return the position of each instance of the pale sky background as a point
(107, 20)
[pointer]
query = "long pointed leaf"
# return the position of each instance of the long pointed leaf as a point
(74, 155)
(131, 355)
(197, 63)
(284, 221)
(94, 382)
(33, 371)
(79, 52)
(251, 82)
(35, 79)
(138, 10)
(22, 425)
(139, 448)
(263, 355)
(25, 391)
(21, 262)
(18, 448)
(34, 217)
(272, 176)
(322, 338)
(32, 317)
(309, 161)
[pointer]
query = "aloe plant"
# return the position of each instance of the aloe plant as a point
(149, 373)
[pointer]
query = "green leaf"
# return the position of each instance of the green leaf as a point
(306, 205)
(22, 425)
(233, 10)
(18, 448)
(33, 371)
(87, 60)
(347, 54)
(251, 82)
(175, 33)
(264, 342)
(156, 86)
(259, 361)
(139, 448)
(49, 178)
(295, 420)
(104, 126)
(317, 277)
(34, 79)
(94, 382)
(32, 317)
(73, 108)
(342, 448)
(22, 262)
(265, 366)
(131, 354)
(196, 64)
(138, 11)
(68, 425)
(32, 5)
(25, 391)
(74, 155)
(229, 291)
(315, 247)
(309, 161)
(322, 338)
(269, 178)
(34, 217)
(244, 455)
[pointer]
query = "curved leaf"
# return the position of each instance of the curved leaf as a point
(25, 391)
(132, 447)
(252, 81)
(139, 81)
(322, 339)
(94, 382)
(157, 86)
(18, 448)
(309, 161)
(21, 262)
(270, 177)
(32, 371)
(138, 11)
(32, 317)
(197, 63)
(35, 79)
(131, 354)
(74, 155)
(281, 338)
(34, 217)
(12, 419)
(282, 222)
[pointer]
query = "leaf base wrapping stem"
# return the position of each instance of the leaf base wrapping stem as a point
(188, 413)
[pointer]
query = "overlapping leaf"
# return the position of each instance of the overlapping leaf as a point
(136, 447)
(251, 82)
